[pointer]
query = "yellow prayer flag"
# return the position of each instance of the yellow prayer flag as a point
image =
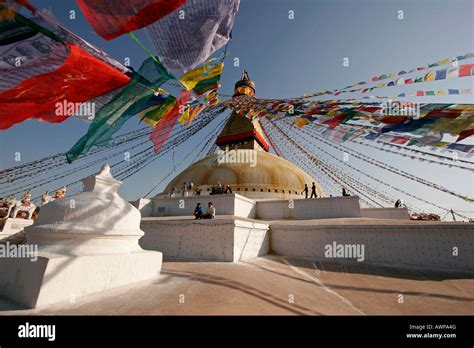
(444, 61)
(153, 115)
(301, 122)
(194, 76)
(429, 76)
(184, 118)
(194, 112)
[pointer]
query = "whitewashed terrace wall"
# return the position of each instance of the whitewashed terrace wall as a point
(385, 213)
(225, 240)
(421, 244)
(226, 204)
(316, 208)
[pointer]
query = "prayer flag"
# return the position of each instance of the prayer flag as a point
(465, 134)
(82, 77)
(400, 140)
(441, 74)
(429, 76)
(156, 108)
(466, 70)
(452, 73)
(130, 101)
(112, 18)
(163, 128)
(184, 44)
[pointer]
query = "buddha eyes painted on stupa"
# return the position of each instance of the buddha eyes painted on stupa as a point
(244, 90)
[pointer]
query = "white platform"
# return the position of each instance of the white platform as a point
(397, 243)
(12, 226)
(57, 278)
(265, 209)
(303, 209)
(385, 213)
(225, 239)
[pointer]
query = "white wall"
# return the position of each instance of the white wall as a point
(226, 204)
(270, 209)
(385, 213)
(421, 244)
(144, 205)
(316, 208)
(245, 207)
(13, 226)
(224, 240)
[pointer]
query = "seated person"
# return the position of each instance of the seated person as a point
(210, 212)
(198, 212)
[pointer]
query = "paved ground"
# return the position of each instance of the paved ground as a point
(278, 286)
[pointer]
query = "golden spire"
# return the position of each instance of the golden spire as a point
(244, 85)
(240, 132)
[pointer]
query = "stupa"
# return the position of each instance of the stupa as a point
(85, 244)
(265, 176)
(263, 187)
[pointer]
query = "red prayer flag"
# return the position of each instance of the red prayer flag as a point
(82, 77)
(112, 18)
(335, 121)
(400, 140)
(465, 134)
(163, 128)
(444, 113)
(465, 70)
(393, 120)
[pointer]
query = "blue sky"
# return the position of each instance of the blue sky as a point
(289, 57)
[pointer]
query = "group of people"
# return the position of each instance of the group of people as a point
(313, 190)
(221, 189)
(315, 195)
(209, 214)
(186, 188)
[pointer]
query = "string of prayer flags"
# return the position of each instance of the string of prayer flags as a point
(129, 102)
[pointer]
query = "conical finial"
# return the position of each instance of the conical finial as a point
(102, 181)
(105, 169)
(244, 86)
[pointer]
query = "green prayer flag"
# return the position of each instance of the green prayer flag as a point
(128, 102)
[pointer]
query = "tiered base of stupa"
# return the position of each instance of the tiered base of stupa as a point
(307, 228)
(55, 278)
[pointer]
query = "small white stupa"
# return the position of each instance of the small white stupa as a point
(86, 243)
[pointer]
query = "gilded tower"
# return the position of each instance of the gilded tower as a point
(240, 132)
